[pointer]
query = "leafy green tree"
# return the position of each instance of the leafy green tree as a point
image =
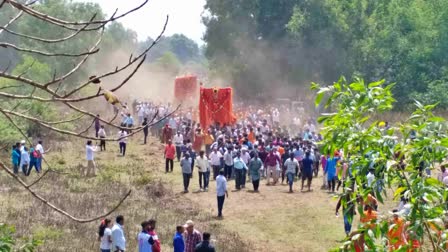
(400, 155)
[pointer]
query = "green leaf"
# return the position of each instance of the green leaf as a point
(319, 97)
(358, 86)
(376, 84)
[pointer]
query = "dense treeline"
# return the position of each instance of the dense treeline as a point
(403, 41)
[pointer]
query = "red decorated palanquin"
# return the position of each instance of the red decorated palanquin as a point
(215, 106)
(185, 87)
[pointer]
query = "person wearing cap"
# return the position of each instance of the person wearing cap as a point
(396, 235)
(192, 236)
(145, 240)
(221, 191)
(205, 245)
(22, 145)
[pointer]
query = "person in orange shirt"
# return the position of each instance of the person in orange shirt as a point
(396, 234)
(208, 141)
(281, 150)
(251, 135)
(368, 221)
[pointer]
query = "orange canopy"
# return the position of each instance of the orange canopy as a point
(216, 106)
(185, 87)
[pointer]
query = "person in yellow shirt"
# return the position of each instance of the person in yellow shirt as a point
(208, 141)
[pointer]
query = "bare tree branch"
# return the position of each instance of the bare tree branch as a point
(27, 50)
(57, 209)
(50, 41)
(67, 24)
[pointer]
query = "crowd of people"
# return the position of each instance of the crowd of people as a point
(259, 146)
(186, 238)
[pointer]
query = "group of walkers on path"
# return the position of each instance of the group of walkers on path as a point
(186, 238)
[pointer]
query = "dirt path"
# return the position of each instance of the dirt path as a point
(272, 220)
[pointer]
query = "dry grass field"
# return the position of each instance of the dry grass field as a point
(272, 220)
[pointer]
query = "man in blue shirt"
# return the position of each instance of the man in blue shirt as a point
(221, 191)
(239, 166)
(178, 240)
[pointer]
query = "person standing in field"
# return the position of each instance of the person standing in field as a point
(91, 166)
(291, 165)
(105, 235)
(153, 234)
(255, 165)
(40, 154)
(24, 160)
(239, 166)
(307, 170)
(192, 236)
(202, 164)
(15, 158)
(102, 135)
(205, 245)
(145, 129)
(178, 239)
(270, 163)
(144, 239)
(169, 153)
(97, 125)
(348, 209)
(118, 238)
(185, 165)
(221, 191)
(215, 159)
(122, 141)
(178, 141)
(167, 134)
(33, 161)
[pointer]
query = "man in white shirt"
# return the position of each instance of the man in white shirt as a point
(203, 168)
(118, 239)
(122, 140)
(91, 166)
(221, 191)
(245, 156)
(178, 140)
(40, 151)
(215, 160)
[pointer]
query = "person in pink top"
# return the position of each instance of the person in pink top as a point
(323, 161)
(170, 151)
